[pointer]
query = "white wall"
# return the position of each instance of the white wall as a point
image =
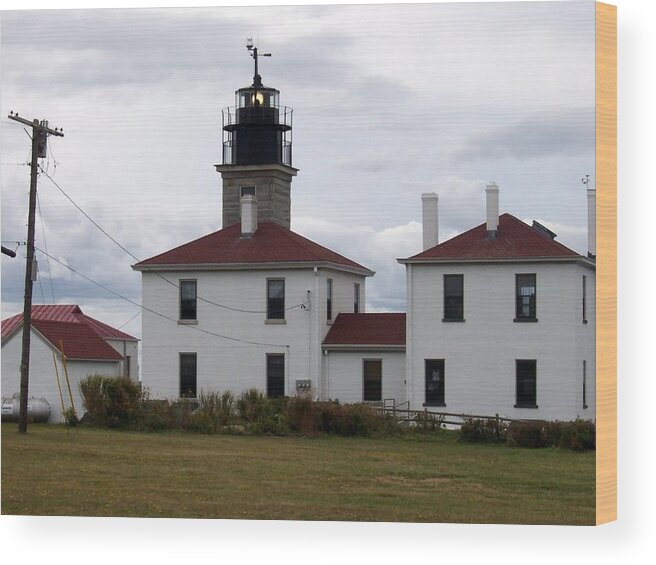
(343, 371)
(480, 353)
(127, 348)
(236, 365)
(43, 379)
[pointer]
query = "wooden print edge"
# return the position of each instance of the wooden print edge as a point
(606, 299)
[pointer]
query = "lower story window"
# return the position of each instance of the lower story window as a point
(275, 375)
(372, 380)
(526, 383)
(435, 382)
(188, 377)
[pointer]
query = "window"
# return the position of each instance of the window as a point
(188, 375)
(329, 299)
(526, 389)
(275, 375)
(434, 382)
(453, 298)
(525, 310)
(585, 400)
(188, 300)
(356, 298)
(275, 299)
(583, 295)
(372, 370)
(246, 191)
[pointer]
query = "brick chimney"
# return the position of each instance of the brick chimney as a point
(429, 219)
(492, 209)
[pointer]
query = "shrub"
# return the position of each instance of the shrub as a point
(251, 405)
(302, 415)
(70, 417)
(579, 435)
(428, 422)
(483, 430)
(353, 420)
(112, 401)
(216, 409)
(528, 434)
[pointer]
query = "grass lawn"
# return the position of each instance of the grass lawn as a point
(88, 472)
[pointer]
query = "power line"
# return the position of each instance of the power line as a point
(126, 323)
(155, 312)
(45, 243)
(150, 270)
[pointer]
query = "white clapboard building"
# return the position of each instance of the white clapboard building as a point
(500, 319)
(89, 347)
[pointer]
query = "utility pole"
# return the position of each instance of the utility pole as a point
(40, 133)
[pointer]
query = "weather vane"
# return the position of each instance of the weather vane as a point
(257, 79)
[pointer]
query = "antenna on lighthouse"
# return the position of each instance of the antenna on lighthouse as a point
(257, 79)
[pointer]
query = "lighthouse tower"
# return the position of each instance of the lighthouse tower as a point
(257, 152)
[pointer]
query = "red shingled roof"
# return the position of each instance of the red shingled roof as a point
(79, 340)
(271, 243)
(367, 329)
(514, 239)
(83, 336)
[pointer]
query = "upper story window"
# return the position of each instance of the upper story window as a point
(583, 299)
(275, 299)
(246, 191)
(188, 300)
(329, 299)
(453, 298)
(525, 305)
(356, 298)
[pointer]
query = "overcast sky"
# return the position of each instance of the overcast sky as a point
(389, 101)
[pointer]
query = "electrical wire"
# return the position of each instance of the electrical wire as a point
(126, 323)
(45, 243)
(155, 312)
(150, 270)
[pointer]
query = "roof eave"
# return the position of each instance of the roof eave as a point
(507, 260)
(362, 347)
(253, 266)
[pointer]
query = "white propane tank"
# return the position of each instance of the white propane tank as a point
(38, 409)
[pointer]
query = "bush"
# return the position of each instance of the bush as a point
(483, 430)
(215, 409)
(251, 405)
(428, 422)
(578, 435)
(353, 420)
(528, 434)
(302, 415)
(112, 401)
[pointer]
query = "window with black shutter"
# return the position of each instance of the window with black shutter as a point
(453, 298)
(275, 299)
(526, 383)
(188, 300)
(525, 308)
(275, 375)
(434, 382)
(188, 375)
(373, 380)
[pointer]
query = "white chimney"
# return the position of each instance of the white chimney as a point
(492, 209)
(429, 219)
(592, 222)
(248, 215)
